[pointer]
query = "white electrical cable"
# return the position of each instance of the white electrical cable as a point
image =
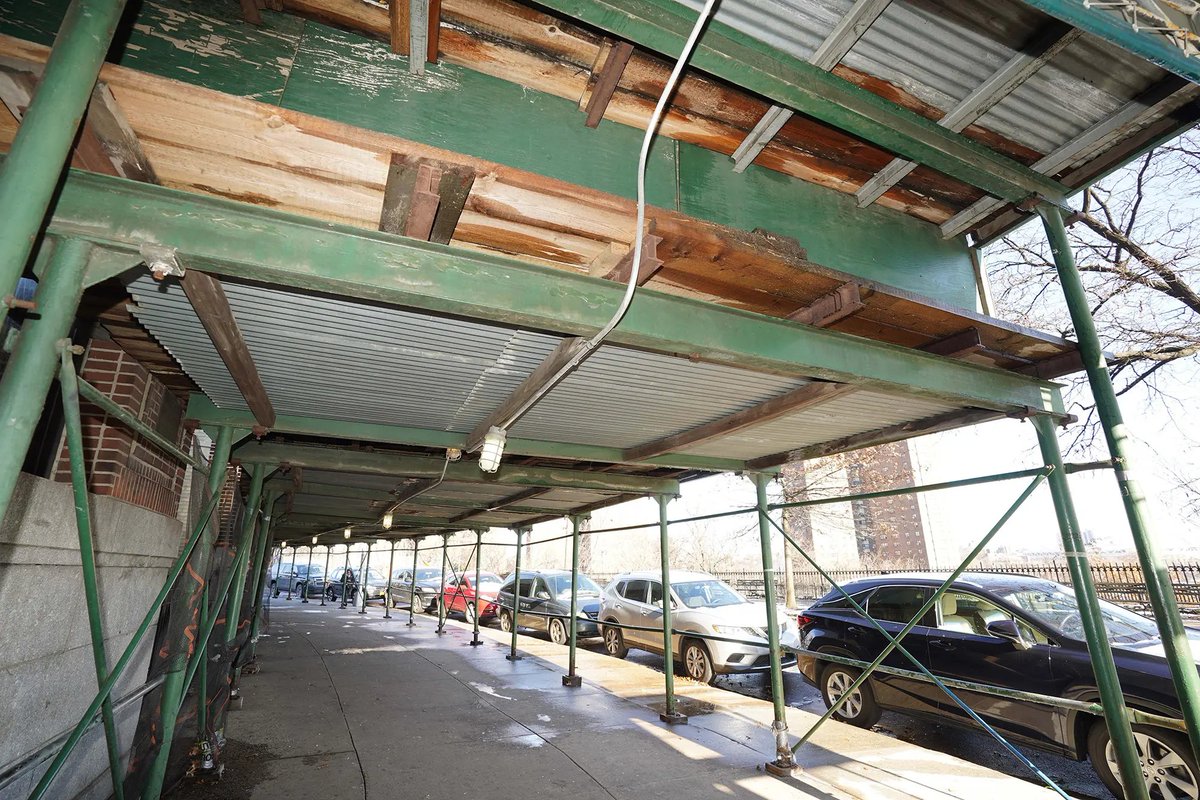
(651, 130)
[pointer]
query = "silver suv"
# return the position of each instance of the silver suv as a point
(702, 604)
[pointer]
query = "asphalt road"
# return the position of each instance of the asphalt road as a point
(1075, 777)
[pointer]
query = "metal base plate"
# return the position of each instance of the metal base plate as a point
(474, 643)
(572, 680)
(781, 770)
(674, 719)
(511, 657)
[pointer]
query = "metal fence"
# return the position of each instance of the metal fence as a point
(1118, 583)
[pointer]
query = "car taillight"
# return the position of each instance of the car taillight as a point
(804, 619)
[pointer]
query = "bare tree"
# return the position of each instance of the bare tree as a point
(1137, 244)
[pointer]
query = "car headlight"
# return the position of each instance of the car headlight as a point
(731, 630)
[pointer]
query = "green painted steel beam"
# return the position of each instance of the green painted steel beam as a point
(374, 463)
(203, 410)
(1112, 28)
(663, 26)
(250, 242)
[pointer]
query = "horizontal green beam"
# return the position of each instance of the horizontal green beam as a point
(1112, 28)
(204, 411)
(260, 244)
(375, 463)
(663, 26)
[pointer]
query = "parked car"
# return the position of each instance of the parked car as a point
(294, 581)
(429, 587)
(1011, 631)
(700, 603)
(459, 595)
(376, 584)
(545, 604)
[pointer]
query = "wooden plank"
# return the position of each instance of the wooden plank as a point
(398, 26)
(606, 82)
(425, 201)
(116, 137)
(956, 345)
(435, 29)
(829, 308)
(649, 267)
(207, 297)
(406, 194)
(250, 12)
(453, 189)
(807, 396)
(514, 405)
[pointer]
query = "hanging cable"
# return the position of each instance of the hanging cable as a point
(631, 287)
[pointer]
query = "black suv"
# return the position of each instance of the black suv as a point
(1011, 631)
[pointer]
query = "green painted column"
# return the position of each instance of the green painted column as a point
(412, 585)
(516, 603)
(571, 679)
(260, 574)
(233, 610)
(475, 640)
(87, 559)
(184, 626)
(442, 613)
(783, 752)
(34, 361)
(1154, 570)
(43, 143)
(387, 592)
(1111, 697)
(670, 714)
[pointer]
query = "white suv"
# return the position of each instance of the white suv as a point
(702, 604)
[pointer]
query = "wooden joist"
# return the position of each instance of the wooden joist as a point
(829, 308)
(611, 60)
(208, 299)
(496, 505)
(250, 12)
(398, 26)
(807, 396)
(519, 401)
(650, 262)
(424, 198)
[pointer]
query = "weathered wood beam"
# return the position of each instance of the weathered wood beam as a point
(520, 400)
(956, 344)
(807, 396)
(435, 29)
(499, 504)
(650, 265)
(250, 12)
(829, 308)
(398, 22)
(208, 299)
(893, 433)
(612, 60)
(424, 198)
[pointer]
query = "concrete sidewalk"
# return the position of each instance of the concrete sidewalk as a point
(350, 706)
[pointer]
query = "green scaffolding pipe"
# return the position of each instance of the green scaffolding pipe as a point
(173, 683)
(95, 396)
(1176, 647)
(260, 573)
(34, 361)
(412, 586)
(516, 601)
(233, 611)
(1107, 680)
(783, 754)
(87, 557)
(571, 678)
(441, 606)
(151, 616)
(475, 640)
(670, 713)
(43, 142)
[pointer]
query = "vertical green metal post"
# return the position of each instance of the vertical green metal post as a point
(1109, 684)
(363, 570)
(442, 613)
(412, 585)
(670, 714)
(260, 572)
(307, 577)
(325, 575)
(292, 573)
(87, 559)
(475, 640)
(43, 142)
(571, 679)
(233, 612)
(1159, 588)
(516, 602)
(34, 361)
(173, 681)
(783, 763)
(387, 592)
(345, 575)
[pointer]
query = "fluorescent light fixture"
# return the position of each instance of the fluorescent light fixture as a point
(492, 450)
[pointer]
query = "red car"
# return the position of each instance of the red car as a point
(459, 595)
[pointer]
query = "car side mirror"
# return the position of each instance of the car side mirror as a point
(542, 596)
(1007, 629)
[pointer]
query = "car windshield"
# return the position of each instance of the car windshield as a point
(707, 594)
(560, 586)
(489, 581)
(1056, 607)
(429, 574)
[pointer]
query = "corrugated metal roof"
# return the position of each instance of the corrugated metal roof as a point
(343, 360)
(940, 50)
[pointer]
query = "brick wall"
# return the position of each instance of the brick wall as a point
(121, 464)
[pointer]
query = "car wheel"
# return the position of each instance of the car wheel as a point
(506, 621)
(558, 631)
(860, 707)
(469, 613)
(614, 643)
(418, 603)
(434, 606)
(1168, 766)
(697, 663)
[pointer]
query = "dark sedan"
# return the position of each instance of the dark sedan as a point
(428, 588)
(546, 604)
(1010, 631)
